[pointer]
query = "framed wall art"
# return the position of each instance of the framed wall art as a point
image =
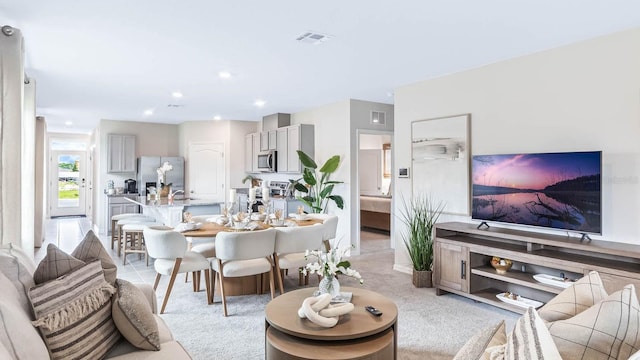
(440, 158)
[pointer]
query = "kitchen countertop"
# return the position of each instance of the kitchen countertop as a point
(122, 195)
(164, 202)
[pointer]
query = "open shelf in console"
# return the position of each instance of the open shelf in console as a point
(470, 274)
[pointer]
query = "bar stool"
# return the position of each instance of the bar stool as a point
(130, 220)
(114, 220)
(133, 239)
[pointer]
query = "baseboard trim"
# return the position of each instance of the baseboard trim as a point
(407, 269)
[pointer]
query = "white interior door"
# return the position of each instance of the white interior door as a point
(206, 171)
(68, 183)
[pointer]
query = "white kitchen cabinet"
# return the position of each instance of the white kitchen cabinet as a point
(121, 153)
(268, 140)
(299, 137)
(251, 148)
(273, 139)
(264, 141)
(116, 205)
(282, 144)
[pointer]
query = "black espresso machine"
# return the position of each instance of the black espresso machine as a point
(130, 186)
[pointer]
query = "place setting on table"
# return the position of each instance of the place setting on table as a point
(242, 221)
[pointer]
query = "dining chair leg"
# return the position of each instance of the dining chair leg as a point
(301, 279)
(221, 278)
(174, 273)
(207, 285)
(213, 285)
(271, 284)
(155, 284)
(279, 273)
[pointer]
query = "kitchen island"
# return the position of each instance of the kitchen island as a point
(170, 213)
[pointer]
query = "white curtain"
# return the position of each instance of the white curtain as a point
(11, 110)
(28, 165)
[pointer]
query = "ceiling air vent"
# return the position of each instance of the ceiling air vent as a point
(314, 38)
(378, 117)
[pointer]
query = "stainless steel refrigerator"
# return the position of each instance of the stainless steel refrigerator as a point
(148, 172)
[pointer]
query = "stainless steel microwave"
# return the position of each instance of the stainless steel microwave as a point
(267, 161)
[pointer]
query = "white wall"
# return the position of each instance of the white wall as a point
(230, 133)
(331, 137)
(585, 96)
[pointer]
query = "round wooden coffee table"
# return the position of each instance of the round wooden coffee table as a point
(358, 335)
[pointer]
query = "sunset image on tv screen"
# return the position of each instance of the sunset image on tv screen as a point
(556, 190)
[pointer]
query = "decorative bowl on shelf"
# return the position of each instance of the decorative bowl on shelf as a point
(501, 265)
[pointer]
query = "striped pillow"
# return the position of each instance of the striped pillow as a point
(529, 340)
(73, 313)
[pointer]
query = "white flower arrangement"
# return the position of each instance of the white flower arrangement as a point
(162, 171)
(331, 263)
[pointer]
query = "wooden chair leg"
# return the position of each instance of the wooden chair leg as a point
(124, 249)
(207, 285)
(119, 238)
(221, 278)
(300, 279)
(271, 284)
(213, 285)
(279, 273)
(113, 232)
(155, 284)
(174, 273)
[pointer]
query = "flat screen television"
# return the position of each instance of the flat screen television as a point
(553, 190)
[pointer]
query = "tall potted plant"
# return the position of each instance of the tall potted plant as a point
(317, 187)
(420, 215)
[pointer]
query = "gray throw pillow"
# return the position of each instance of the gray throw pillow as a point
(91, 248)
(133, 316)
(55, 264)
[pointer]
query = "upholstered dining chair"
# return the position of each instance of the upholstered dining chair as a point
(290, 248)
(242, 254)
(330, 223)
(169, 249)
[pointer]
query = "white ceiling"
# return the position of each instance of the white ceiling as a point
(115, 59)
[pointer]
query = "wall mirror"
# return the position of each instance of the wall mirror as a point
(440, 157)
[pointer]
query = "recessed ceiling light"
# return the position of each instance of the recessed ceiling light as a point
(217, 117)
(68, 123)
(176, 94)
(148, 112)
(259, 103)
(224, 74)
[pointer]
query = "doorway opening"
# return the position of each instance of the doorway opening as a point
(68, 178)
(374, 190)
